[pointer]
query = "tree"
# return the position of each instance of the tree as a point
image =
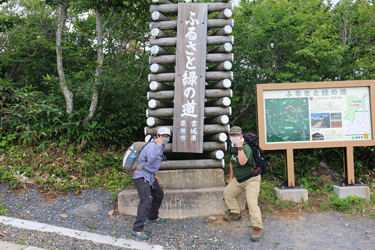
(101, 8)
(115, 6)
(68, 95)
(25, 41)
(281, 41)
(355, 22)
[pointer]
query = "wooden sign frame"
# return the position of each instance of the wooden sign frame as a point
(289, 146)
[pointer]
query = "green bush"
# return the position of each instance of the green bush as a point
(351, 204)
(33, 117)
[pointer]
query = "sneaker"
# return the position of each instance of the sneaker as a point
(142, 235)
(157, 220)
(232, 217)
(257, 234)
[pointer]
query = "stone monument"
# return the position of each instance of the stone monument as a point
(190, 93)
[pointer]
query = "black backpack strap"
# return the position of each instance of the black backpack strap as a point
(153, 135)
(230, 150)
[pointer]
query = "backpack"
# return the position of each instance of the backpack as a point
(258, 155)
(130, 161)
(260, 159)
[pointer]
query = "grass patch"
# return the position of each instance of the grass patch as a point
(3, 211)
(61, 168)
(321, 199)
(64, 168)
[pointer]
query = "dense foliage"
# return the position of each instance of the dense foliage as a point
(276, 41)
(33, 108)
(302, 41)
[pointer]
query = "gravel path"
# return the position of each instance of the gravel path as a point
(305, 231)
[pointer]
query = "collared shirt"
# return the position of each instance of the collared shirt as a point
(150, 159)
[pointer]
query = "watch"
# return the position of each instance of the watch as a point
(239, 148)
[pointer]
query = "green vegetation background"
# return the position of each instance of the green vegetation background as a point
(275, 42)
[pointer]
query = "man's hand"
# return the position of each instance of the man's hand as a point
(239, 143)
(230, 179)
(159, 141)
(157, 179)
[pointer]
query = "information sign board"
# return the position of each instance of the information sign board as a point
(316, 115)
(324, 114)
(311, 115)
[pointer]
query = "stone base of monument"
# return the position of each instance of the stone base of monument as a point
(292, 194)
(361, 191)
(187, 193)
(191, 178)
(179, 203)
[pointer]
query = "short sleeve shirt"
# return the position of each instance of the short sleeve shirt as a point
(242, 172)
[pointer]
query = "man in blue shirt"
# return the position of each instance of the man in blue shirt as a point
(147, 184)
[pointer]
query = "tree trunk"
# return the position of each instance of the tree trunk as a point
(98, 72)
(100, 60)
(68, 95)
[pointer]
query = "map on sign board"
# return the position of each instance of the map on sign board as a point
(287, 119)
(333, 114)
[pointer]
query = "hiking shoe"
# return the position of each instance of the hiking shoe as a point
(257, 234)
(232, 217)
(157, 220)
(140, 235)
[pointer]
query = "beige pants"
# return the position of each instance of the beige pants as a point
(251, 187)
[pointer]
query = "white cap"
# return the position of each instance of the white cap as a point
(164, 131)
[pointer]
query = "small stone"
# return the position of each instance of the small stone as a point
(110, 213)
(87, 210)
(64, 215)
(301, 218)
(326, 178)
(212, 218)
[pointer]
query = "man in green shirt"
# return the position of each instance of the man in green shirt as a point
(244, 176)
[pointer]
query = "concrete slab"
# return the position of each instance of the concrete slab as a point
(5, 219)
(360, 191)
(293, 194)
(32, 225)
(82, 235)
(103, 239)
(6, 245)
(191, 178)
(181, 203)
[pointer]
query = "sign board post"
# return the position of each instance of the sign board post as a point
(189, 94)
(290, 167)
(349, 166)
(316, 115)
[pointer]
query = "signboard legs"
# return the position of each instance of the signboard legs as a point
(349, 166)
(290, 167)
(290, 181)
(349, 179)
